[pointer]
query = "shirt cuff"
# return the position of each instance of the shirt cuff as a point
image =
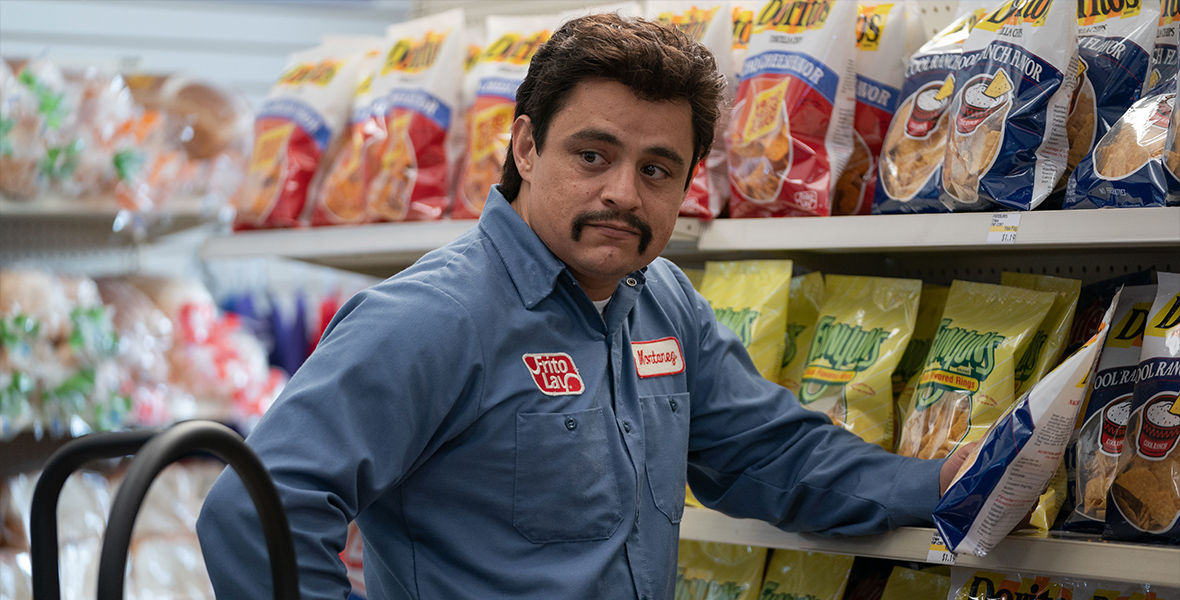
(915, 493)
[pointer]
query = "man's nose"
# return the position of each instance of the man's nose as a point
(622, 189)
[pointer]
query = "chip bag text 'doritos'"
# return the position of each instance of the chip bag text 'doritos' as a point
(750, 298)
(1144, 500)
(803, 303)
(974, 584)
(1005, 474)
(1007, 144)
(794, 574)
(863, 328)
(969, 380)
(790, 131)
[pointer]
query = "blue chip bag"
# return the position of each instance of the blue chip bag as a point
(1163, 54)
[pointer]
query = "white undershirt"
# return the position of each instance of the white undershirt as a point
(601, 306)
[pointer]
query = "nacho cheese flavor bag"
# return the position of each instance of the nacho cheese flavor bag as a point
(863, 328)
(1006, 145)
(880, 73)
(790, 131)
(811, 575)
(715, 571)
(1144, 499)
(804, 300)
(1003, 477)
(296, 126)
(968, 380)
(1099, 439)
(497, 73)
(750, 297)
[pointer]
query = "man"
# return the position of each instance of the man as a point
(511, 416)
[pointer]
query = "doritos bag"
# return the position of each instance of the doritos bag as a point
(909, 172)
(1103, 417)
(1172, 157)
(1004, 476)
(709, 22)
(715, 571)
(1092, 304)
(975, 584)
(863, 328)
(912, 584)
(1006, 145)
(294, 130)
(501, 67)
(790, 131)
(811, 575)
(1163, 54)
(750, 297)
(969, 377)
(417, 91)
(1145, 494)
(803, 302)
(880, 73)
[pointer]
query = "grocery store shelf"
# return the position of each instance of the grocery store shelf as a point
(1086, 557)
(103, 212)
(1056, 230)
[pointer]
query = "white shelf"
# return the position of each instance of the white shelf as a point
(1083, 557)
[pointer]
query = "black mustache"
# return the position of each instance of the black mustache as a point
(607, 216)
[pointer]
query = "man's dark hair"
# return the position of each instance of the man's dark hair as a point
(656, 61)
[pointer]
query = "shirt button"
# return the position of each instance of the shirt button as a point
(631, 282)
(673, 403)
(571, 424)
(626, 427)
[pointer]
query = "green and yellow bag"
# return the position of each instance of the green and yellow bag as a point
(912, 584)
(805, 298)
(715, 571)
(750, 297)
(905, 376)
(794, 574)
(863, 328)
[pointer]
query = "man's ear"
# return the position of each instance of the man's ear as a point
(523, 146)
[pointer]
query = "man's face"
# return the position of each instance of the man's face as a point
(604, 193)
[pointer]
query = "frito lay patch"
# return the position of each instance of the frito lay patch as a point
(790, 131)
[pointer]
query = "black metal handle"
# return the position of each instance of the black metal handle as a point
(43, 518)
(168, 447)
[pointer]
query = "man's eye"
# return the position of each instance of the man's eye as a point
(654, 171)
(590, 157)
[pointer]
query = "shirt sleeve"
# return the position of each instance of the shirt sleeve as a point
(755, 452)
(365, 410)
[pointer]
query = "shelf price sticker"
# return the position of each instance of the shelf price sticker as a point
(1004, 228)
(939, 553)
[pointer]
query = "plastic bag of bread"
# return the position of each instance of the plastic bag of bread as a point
(813, 575)
(1006, 141)
(1103, 418)
(501, 67)
(862, 330)
(750, 298)
(968, 379)
(1144, 500)
(790, 130)
(1004, 476)
(715, 571)
(710, 23)
(1163, 53)
(34, 106)
(909, 172)
(881, 36)
(804, 299)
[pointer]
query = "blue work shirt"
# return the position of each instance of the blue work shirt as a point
(494, 436)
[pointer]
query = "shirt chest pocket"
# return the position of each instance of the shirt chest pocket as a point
(565, 489)
(665, 423)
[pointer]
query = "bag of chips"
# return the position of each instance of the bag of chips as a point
(863, 327)
(1007, 145)
(1163, 54)
(1172, 157)
(715, 571)
(930, 305)
(1103, 417)
(295, 130)
(1044, 351)
(1004, 476)
(968, 380)
(912, 584)
(1092, 304)
(794, 574)
(909, 172)
(750, 297)
(500, 69)
(790, 131)
(1145, 493)
(804, 300)
(968, 583)
(880, 73)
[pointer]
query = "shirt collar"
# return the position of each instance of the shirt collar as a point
(533, 268)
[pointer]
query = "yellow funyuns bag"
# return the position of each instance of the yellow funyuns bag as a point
(804, 300)
(716, 571)
(794, 574)
(750, 297)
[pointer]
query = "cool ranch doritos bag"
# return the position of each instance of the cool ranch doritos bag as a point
(1144, 499)
(909, 171)
(969, 377)
(863, 327)
(296, 126)
(500, 68)
(790, 131)
(1003, 477)
(804, 300)
(750, 298)
(880, 73)
(709, 22)
(1163, 54)
(1006, 145)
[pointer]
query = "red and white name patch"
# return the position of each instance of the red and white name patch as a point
(658, 357)
(555, 374)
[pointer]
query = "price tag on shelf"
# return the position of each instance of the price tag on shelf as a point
(939, 553)
(1004, 228)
